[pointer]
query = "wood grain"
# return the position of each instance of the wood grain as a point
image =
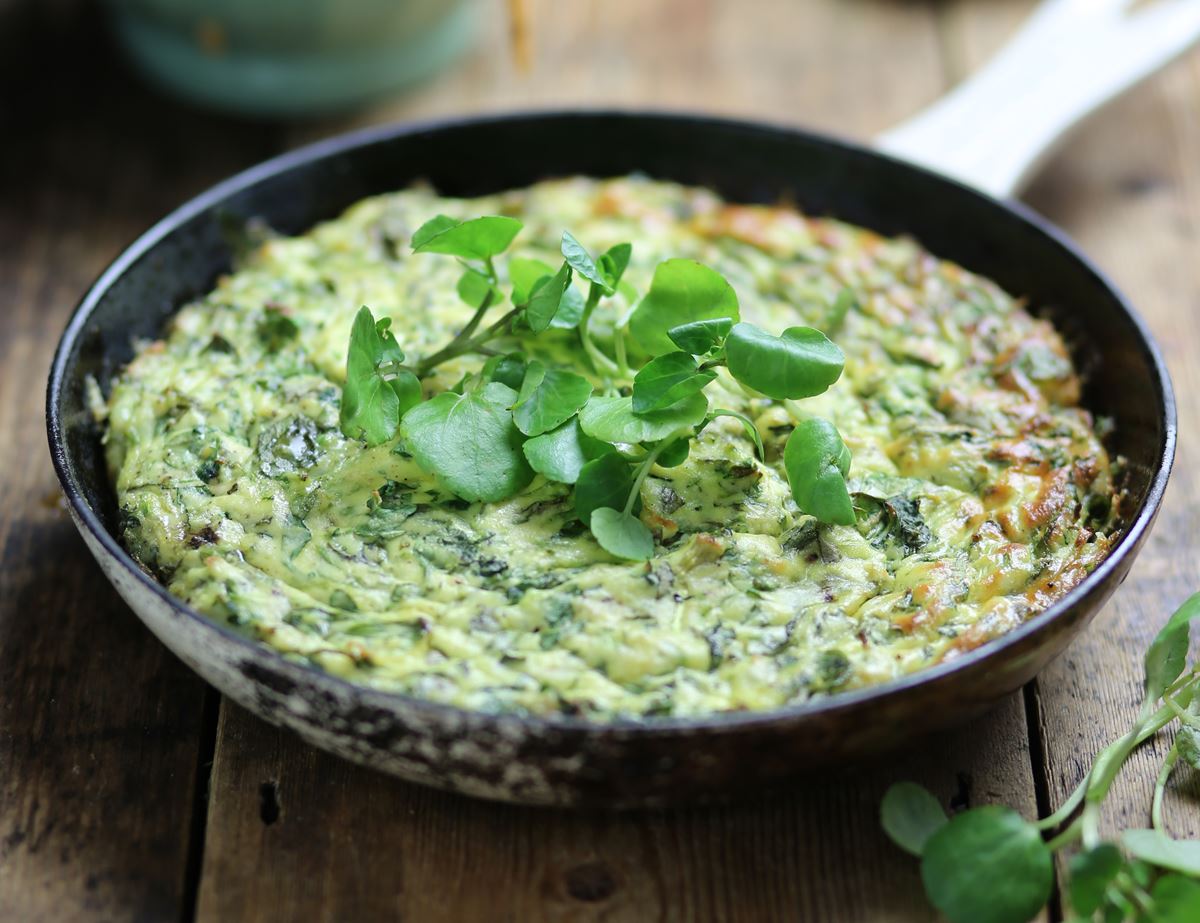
(100, 728)
(348, 844)
(296, 834)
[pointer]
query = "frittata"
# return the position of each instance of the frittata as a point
(982, 489)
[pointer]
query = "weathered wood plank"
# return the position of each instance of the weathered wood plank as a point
(1127, 187)
(100, 728)
(337, 842)
(296, 834)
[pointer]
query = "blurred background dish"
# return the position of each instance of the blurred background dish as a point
(291, 57)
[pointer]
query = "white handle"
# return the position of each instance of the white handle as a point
(1071, 57)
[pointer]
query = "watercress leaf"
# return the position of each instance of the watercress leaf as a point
(371, 406)
(675, 453)
(407, 387)
(803, 362)
(751, 429)
(581, 261)
(817, 462)
(910, 816)
(570, 309)
(388, 349)
(621, 534)
(524, 274)
(667, 379)
(474, 288)
(1119, 909)
(1167, 654)
(499, 393)
(546, 298)
(842, 304)
(681, 292)
(549, 397)
(1091, 873)
(1176, 900)
(508, 369)
(603, 482)
(987, 865)
(701, 336)
(470, 442)
(1160, 850)
(561, 453)
(535, 373)
(476, 239)
(1141, 872)
(613, 262)
(431, 229)
(1188, 743)
(611, 419)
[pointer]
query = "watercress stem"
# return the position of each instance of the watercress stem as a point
(1110, 760)
(589, 306)
(456, 346)
(600, 362)
(1180, 683)
(461, 347)
(473, 324)
(1181, 712)
(1167, 713)
(1160, 787)
(622, 358)
(1100, 779)
(1148, 728)
(1089, 825)
(500, 326)
(791, 407)
(1117, 896)
(1065, 810)
(1145, 728)
(1131, 889)
(1069, 835)
(644, 469)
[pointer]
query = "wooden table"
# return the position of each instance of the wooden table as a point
(130, 791)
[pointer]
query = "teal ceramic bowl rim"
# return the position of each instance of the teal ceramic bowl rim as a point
(278, 84)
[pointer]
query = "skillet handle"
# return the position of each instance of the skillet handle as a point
(1071, 57)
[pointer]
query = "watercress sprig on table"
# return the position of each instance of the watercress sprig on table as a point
(990, 865)
(485, 438)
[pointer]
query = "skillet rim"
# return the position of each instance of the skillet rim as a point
(976, 660)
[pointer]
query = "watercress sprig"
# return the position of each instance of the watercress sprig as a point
(603, 431)
(990, 865)
(378, 389)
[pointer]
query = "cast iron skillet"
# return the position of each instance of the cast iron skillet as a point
(571, 761)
